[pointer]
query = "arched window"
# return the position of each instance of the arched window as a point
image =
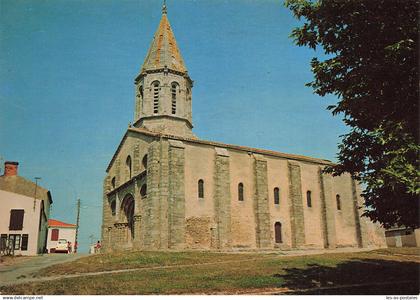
(277, 232)
(201, 188)
(309, 198)
(276, 195)
(113, 207)
(241, 191)
(155, 97)
(113, 182)
(143, 190)
(128, 164)
(338, 200)
(174, 90)
(144, 162)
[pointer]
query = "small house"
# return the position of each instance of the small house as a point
(59, 231)
(24, 213)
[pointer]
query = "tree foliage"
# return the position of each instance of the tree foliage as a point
(372, 67)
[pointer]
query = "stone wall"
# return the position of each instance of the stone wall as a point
(172, 215)
(242, 170)
(199, 210)
(345, 218)
(277, 177)
(198, 233)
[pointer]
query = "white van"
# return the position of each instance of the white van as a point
(61, 246)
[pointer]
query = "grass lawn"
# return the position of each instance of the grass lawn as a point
(236, 273)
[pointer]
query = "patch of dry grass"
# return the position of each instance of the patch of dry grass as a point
(293, 274)
(139, 259)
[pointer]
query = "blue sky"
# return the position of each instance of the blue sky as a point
(66, 86)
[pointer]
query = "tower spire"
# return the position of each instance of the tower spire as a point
(163, 87)
(164, 50)
(164, 9)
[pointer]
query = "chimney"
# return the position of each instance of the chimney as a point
(11, 168)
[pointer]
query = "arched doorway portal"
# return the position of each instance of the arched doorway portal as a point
(127, 210)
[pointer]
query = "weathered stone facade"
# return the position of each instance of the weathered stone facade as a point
(166, 189)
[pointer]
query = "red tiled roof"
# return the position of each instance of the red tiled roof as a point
(56, 223)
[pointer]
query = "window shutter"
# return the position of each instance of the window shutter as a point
(24, 245)
(16, 219)
(54, 235)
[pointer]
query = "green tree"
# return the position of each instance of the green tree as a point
(371, 65)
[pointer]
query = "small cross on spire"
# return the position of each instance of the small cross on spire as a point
(164, 10)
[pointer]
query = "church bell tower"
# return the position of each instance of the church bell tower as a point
(163, 88)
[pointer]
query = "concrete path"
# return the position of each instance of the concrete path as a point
(16, 273)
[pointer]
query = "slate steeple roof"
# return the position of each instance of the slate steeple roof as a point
(164, 51)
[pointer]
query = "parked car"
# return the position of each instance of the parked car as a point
(61, 246)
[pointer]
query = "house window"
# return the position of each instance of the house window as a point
(309, 198)
(17, 241)
(16, 219)
(174, 89)
(240, 191)
(54, 235)
(113, 206)
(338, 200)
(24, 245)
(128, 164)
(156, 97)
(14, 241)
(276, 195)
(201, 188)
(113, 182)
(277, 231)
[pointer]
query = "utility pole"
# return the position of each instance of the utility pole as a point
(36, 187)
(76, 245)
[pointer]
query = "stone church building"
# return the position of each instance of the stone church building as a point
(167, 189)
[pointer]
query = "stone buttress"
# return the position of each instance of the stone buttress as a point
(297, 224)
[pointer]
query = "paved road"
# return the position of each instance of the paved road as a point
(18, 272)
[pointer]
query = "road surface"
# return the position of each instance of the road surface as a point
(17, 273)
